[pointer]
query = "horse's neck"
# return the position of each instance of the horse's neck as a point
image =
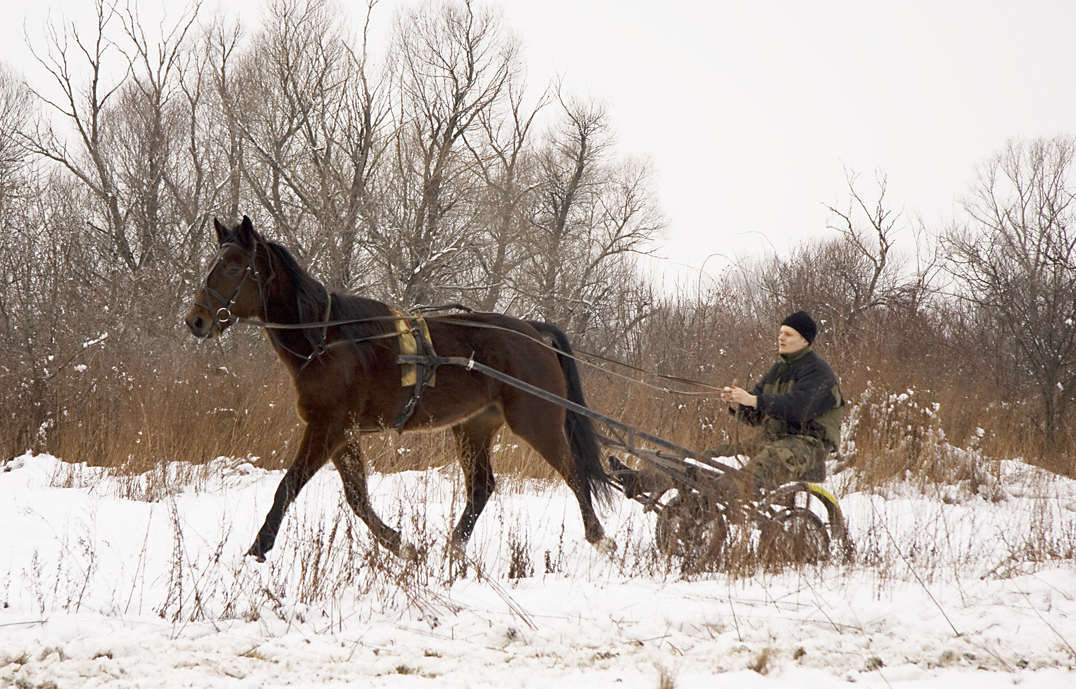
(282, 307)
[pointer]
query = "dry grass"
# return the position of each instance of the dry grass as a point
(204, 400)
(150, 393)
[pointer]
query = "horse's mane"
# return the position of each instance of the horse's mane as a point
(311, 297)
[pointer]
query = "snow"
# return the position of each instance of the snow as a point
(140, 581)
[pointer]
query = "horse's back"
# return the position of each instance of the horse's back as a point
(509, 345)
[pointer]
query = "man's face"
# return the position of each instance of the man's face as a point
(789, 341)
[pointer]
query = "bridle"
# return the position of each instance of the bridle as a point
(222, 316)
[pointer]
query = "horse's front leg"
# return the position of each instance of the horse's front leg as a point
(315, 449)
(348, 461)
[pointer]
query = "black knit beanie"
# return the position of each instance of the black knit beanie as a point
(802, 323)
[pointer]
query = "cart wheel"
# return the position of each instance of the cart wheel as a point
(794, 535)
(814, 497)
(691, 528)
(838, 530)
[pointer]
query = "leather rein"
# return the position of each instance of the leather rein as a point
(434, 360)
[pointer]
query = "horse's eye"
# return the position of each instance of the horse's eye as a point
(234, 270)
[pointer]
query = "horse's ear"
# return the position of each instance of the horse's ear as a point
(222, 231)
(246, 232)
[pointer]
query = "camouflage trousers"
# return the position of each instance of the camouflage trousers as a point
(772, 461)
(776, 459)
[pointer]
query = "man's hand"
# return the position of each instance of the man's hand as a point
(737, 395)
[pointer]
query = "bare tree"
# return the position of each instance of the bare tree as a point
(81, 104)
(116, 103)
(570, 180)
(1015, 260)
(453, 62)
(844, 280)
(15, 113)
(146, 132)
(503, 156)
(222, 51)
(593, 214)
(204, 178)
(311, 118)
(869, 271)
(41, 287)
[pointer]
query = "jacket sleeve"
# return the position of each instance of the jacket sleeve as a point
(812, 397)
(752, 416)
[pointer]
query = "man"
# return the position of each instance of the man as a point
(799, 406)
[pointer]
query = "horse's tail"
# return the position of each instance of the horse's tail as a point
(580, 429)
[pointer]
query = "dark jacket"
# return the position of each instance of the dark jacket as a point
(799, 395)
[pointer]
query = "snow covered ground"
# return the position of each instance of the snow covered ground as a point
(140, 582)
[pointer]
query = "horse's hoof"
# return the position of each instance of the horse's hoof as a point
(256, 554)
(606, 546)
(407, 552)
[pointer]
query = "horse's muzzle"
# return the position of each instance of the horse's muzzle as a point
(201, 323)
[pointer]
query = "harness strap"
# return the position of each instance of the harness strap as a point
(421, 371)
(322, 346)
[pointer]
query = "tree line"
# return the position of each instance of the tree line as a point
(433, 173)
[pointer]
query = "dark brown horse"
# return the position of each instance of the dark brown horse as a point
(344, 367)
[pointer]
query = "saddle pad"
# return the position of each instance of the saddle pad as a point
(406, 333)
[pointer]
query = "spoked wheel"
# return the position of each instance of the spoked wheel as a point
(692, 528)
(794, 535)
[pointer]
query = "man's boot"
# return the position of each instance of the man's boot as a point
(639, 481)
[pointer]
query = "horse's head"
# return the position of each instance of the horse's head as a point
(231, 287)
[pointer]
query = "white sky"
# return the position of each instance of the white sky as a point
(751, 111)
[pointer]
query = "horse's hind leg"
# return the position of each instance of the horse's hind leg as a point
(542, 426)
(352, 470)
(473, 437)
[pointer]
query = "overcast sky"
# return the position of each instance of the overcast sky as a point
(752, 111)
